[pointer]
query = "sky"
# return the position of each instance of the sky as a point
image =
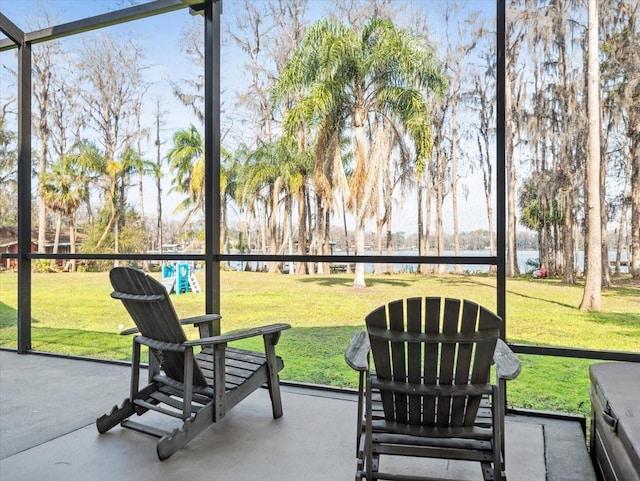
(164, 60)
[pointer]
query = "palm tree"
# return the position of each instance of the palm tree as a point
(87, 162)
(116, 175)
(229, 171)
(262, 180)
(63, 189)
(381, 70)
(186, 161)
(295, 165)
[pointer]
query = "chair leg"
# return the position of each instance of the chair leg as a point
(360, 409)
(273, 380)
(360, 457)
(128, 409)
(498, 444)
(115, 417)
(191, 428)
(370, 467)
(119, 414)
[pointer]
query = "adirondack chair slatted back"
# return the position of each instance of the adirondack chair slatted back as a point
(444, 345)
(148, 304)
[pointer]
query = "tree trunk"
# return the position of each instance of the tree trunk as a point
(358, 281)
(454, 183)
(56, 240)
(111, 223)
(487, 183)
(285, 242)
(377, 269)
(42, 86)
(591, 299)
(606, 271)
(388, 207)
(72, 241)
(301, 268)
(634, 265)
(326, 244)
(319, 233)
(389, 238)
(439, 186)
(634, 158)
(622, 226)
(359, 195)
(224, 241)
(42, 208)
(512, 243)
(292, 266)
(344, 225)
(441, 268)
(273, 223)
(566, 231)
(422, 268)
(492, 247)
(159, 233)
(427, 222)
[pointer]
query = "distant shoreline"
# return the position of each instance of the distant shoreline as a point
(523, 257)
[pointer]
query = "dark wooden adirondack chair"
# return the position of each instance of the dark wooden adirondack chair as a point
(198, 389)
(429, 393)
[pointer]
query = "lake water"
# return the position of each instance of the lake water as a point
(523, 257)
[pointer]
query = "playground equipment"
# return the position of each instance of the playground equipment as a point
(179, 277)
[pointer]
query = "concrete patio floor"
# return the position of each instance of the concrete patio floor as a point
(48, 407)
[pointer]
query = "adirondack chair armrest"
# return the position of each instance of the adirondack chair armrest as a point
(196, 321)
(270, 329)
(200, 319)
(161, 345)
(207, 324)
(357, 354)
(127, 332)
(507, 363)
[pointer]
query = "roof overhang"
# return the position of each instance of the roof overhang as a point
(16, 37)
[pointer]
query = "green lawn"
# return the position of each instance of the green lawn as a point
(73, 314)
